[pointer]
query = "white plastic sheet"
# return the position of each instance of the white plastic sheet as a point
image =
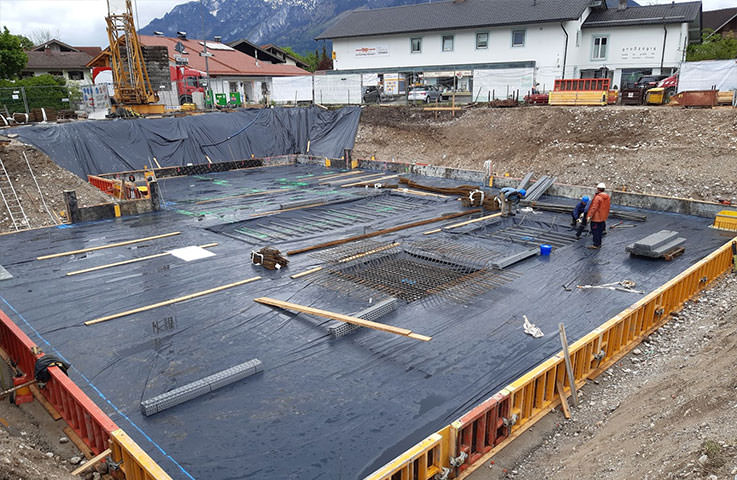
(719, 74)
(501, 82)
(286, 89)
(338, 89)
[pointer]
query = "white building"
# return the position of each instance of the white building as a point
(501, 45)
(62, 60)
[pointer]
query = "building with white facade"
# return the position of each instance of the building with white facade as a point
(62, 60)
(499, 46)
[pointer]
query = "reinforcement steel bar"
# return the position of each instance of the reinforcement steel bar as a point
(384, 231)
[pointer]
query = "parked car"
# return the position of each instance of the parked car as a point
(424, 93)
(372, 94)
(649, 81)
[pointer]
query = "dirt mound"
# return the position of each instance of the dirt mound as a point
(657, 150)
(52, 181)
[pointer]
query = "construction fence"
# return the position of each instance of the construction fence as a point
(22, 100)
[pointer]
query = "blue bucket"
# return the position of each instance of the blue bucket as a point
(545, 250)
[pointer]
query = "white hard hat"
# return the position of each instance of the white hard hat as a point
(601, 186)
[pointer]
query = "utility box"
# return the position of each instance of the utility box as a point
(235, 99)
(221, 99)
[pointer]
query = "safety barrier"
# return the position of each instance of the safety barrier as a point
(82, 415)
(116, 188)
(581, 84)
(493, 424)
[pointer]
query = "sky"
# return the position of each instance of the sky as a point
(82, 22)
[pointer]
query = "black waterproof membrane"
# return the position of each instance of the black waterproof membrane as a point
(94, 147)
(324, 407)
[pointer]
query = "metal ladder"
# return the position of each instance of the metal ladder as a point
(10, 199)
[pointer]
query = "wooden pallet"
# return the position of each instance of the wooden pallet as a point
(677, 252)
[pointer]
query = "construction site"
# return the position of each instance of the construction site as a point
(303, 293)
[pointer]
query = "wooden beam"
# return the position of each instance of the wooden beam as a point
(375, 250)
(336, 175)
(78, 442)
(306, 272)
(133, 260)
(563, 401)
(341, 318)
(172, 301)
(265, 192)
(92, 461)
(456, 225)
(442, 109)
(358, 184)
(101, 247)
(421, 193)
(330, 181)
(383, 232)
(569, 367)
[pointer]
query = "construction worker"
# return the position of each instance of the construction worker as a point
(598, 214)
(509, 198)
(578, 215)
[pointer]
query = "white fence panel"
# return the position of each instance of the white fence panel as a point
(707, 74)
(501, 82)
(286, 89)
(342, 89)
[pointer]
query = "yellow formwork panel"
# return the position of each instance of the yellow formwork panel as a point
(579, 97)
(136, 464)
(726, 220)
(406, 461)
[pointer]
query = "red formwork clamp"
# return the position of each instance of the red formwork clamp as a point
(481, 429)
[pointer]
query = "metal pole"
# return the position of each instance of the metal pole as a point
(25, 101)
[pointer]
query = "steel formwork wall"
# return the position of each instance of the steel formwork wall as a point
(492, 425)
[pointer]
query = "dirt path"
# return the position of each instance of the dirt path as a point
(657, 150)
(52, 180)
(667, 410)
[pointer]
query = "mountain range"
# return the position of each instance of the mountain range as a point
(286, 23)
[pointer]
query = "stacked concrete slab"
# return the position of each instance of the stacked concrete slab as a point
(656, 245)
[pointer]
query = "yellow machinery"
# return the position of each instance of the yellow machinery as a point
(655, 96)
(132, 86)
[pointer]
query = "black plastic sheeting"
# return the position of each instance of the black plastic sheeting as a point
(323, 408)
(96, 147)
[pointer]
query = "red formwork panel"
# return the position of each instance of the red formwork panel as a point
(81, 414)
(582, 84)
(482, 428)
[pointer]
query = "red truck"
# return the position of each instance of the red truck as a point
(188, 81)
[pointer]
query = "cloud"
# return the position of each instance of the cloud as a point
(76, 22)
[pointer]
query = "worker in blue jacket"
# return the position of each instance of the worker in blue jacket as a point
(509, 198)
(578, 216)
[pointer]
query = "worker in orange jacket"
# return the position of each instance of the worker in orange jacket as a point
(597, 215)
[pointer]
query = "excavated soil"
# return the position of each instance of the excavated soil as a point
(656, 150)
(52, 181)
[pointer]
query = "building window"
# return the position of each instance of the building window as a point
(482, 40)
(76, 75)
(415, 45)
(518, 38)
(56, 74)
(598, 51)
(447, 43)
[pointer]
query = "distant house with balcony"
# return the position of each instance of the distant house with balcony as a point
(482, 46)
(58, 58)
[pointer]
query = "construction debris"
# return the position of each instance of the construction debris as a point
(270, 258)
(662, 244)
(531, 329)
(622, 286)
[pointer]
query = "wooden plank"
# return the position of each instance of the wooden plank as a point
(341, 318)
(375, 250)
(172, 301)
(92, 461)
(101, 247)
(45, 403)
(563, 401)
(351, 179)
(383, 232)
(421, 193)
(76, 440)
(265, 192)
(306, 272)
(456, 225)
(336, 175)
(375, 180)
(569, 368)
(442, 109)
(133, 260)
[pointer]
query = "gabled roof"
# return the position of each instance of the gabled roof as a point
(716, 19)
(687, 12)
(254, 50)
(225, 60)
(63, 46)
(457, 14)
(270, 47)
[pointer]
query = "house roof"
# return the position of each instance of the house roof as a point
(225, 60)
(270, 47)
(716, 19)
(65, 47)
(688, 12)
(452, 15)
(253, 50)
(57, 60)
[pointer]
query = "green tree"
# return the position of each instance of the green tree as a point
(326, 63)
(311, 59)
(25, 42)
(712, 47)
(12, 57)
